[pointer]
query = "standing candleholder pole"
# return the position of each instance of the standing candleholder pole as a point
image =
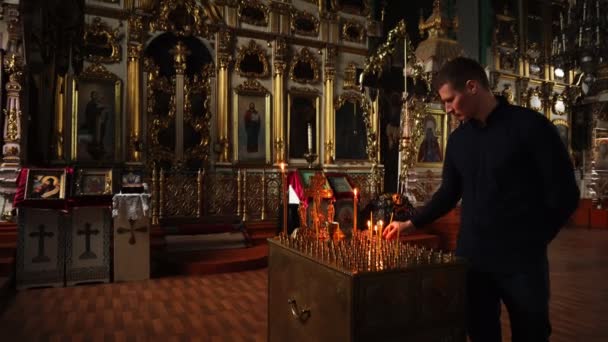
(284, 193)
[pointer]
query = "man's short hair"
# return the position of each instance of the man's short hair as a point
(458, 71)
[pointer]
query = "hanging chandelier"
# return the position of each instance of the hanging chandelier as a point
(580, 43)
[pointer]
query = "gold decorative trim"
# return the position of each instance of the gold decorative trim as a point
(101, 30)
(560, 122)
(252, 5)
(307, 57)
(356, 97)
(304, 90)
(201, 122)
(98, 71)
(156, 122)
(251, 87)
(338, 6)
(189, 11)
(352, 31)
(253, 49)
(350, 77)
(299, 18)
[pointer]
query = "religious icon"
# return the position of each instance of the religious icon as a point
(252, 112)
(252, 127)
(45, 184)
(98, 105)
(601, 160)
(430, 149)
(93, 182)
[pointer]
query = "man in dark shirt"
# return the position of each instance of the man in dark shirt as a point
(517, 185)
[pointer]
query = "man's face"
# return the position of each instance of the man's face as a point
(460, 103)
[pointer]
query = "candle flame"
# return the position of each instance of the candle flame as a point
(282, 167)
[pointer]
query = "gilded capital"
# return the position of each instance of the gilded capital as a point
(279, 68)
(223, 61)
(280, 49)
(330, 73)
(134, 51)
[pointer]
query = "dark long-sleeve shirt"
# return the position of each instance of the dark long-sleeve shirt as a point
(517, 187)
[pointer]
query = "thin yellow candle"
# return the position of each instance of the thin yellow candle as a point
(380, 227)
(284, 186)
(369, 229)
(355, 212)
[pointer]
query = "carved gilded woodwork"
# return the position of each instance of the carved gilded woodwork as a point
(96, 79)
(350, 77)
(252, 62)
(222, 191)
(273, 193)
(160, 94)
(305, 67)
(352, 31)
(253, 12)
(182, 18)
(363, 9)
(101, 44)
(375, 63)
(359, 99)
(304, 23)
(198, 87)
(505, 42)
(180, 195)
(254, 194)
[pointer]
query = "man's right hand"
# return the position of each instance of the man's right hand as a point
(404, 228)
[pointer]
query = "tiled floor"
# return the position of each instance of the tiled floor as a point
(232, 307)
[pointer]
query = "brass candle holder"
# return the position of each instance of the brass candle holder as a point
(310, 157)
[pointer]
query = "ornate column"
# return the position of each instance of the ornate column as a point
(12, 132)
(134, 86)
(280, 50)
(224, 58)
(330, 117)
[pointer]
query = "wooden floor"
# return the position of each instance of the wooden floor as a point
(233, 306)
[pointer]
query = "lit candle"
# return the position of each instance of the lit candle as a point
(369, 229)
(584, 11)
(355, 200)
(309, 138)
(380, 227)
